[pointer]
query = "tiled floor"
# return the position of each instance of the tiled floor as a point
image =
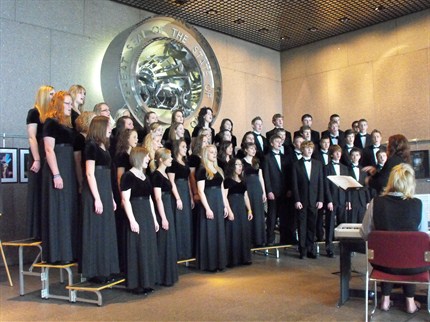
(285, 289)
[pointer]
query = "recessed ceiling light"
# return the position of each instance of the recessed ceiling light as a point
(211, 12)
(263, 30)
(285, 38)
(313, 29)
(380, 8)
(344, 20)
(239, 21)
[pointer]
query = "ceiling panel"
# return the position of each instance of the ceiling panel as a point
(282, 24)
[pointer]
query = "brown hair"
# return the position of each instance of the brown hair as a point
(97, 130)
(83, 121)
(398, 145)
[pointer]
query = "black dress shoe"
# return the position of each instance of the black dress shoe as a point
(330, 254)
(311, 255)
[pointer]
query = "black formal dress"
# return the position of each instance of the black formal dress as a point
(184, 217)
(74, 116)
(34, 193)
(308, 191)
(99, 242)
(275, 179)
(255, 193)
(121, 160)
(166, 239)
(238, 231)
(59, 206)
(211, 246)
(142, 255)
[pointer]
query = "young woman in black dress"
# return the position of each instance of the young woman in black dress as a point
(257, 193)
(211, 245)
(36, 159)
(225, 153)
(204, 121)
(177, 117)
(166, 237)
(127, 140)
(177, 131)
(59, 188)
(78, 94)
(238, 226)
(100, 252)
(179, 176)
(142, 256)
(226, 125)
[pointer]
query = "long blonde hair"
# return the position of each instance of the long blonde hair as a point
(205, 162)
(402, 179)
(42, 100)
(74, 90)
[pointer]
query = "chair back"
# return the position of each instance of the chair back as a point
(399, 249)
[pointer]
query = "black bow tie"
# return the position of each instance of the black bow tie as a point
(257, 134)
(375, 147)
(335, 163)
(275, 153)
(307, 160)
(322, 152)
(298, 153)
(363, 135)
(354, 166)
(334, 137)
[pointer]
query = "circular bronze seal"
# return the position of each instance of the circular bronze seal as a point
(161, 64)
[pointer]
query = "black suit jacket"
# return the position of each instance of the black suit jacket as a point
(315, 137)
(361, 196)
(345, 160)
(261, 150)
(332, 192)
(288, 141)
(306, 191)
(275, 179)
(380, 179)
(368, 157)
(357, 141)
(318, 155)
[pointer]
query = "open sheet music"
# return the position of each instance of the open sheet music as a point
(345, 182)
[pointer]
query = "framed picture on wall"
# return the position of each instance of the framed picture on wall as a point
(23, 165)
(8, 165)
(420, 163)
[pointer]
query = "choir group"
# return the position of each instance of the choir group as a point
(120, 200)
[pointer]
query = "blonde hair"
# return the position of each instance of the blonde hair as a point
(74, 90)
(83, 121)
(137, 155)
(307, 144)
(205, 162)
(42, 100)
(402, 179)
(163, 154)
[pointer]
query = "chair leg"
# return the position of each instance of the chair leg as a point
(375, 301)
(5, 264)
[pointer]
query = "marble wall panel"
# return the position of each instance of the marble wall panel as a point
(372, 43)
(64, 15)
(7, 9)
(413, 32)
(402, 94)
(24, 66)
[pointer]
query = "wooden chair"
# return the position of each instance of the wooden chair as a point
(398, 250)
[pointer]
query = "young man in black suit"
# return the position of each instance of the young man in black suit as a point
(322, 154)
(333, 118)
(362, 138)
(349, 145)
(335, 197)
(315, 135)
(369, 152)
(278, 122)
(358, 199)
(275, 178)
(335, 135)
(308, 191)
(260, 141)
